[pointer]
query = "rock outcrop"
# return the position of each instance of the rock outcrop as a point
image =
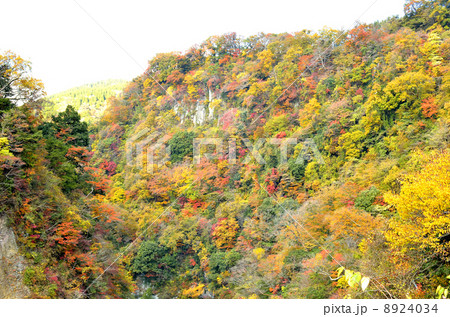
(11, 265)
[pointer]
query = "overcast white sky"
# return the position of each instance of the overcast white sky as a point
(67, 48)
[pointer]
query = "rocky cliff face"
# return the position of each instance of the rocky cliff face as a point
(11, 265)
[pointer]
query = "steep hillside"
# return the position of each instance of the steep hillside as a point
(56, 227)
(89, 100)
(304, 165)
(363, 118)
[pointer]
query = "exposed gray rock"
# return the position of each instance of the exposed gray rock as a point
(11, 265)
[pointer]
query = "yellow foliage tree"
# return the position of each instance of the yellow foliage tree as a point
(4, 148)
(407, 90)
(309, 113)
(193, 292)
(266, 60)
(18, 83)
(423, 207)
(350, 143)
(224, 233)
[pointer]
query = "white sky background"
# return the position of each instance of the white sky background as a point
(68, 49)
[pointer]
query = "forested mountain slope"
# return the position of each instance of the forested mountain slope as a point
(88, 100)
(52, 198)
(184, 190)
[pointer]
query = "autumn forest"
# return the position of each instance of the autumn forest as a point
(294, 165)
